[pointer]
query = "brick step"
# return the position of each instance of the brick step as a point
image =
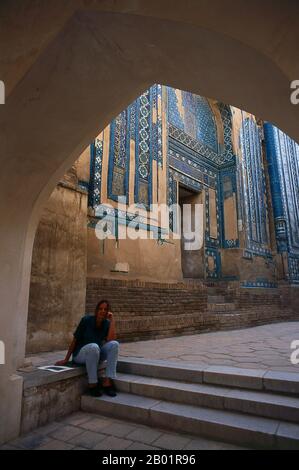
(115, 289)
(132, 285)
(140, 295)
(140, 309)
(216, 299)
(171, 311)
(150, 303)
(140, 329)
(129, 305)
(221, 307)
(138, 298)
(212, 292)
(160, 314)
(160, 299)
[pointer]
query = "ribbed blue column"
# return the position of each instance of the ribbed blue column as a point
(273, 152)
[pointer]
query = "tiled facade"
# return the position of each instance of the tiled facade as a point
(201, 156)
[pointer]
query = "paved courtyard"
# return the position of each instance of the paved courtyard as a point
(82, 431)
(261, 347)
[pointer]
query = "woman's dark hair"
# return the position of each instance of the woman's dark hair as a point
(100, 303)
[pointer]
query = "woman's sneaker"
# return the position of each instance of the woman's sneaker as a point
(110, 390)
(95, 391)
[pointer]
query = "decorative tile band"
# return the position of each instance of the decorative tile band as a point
(197, 146)
(262, 284)
(96, 162)
(124, 218)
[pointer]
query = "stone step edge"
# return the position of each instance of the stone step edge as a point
(251, 379)
(251, 402)
(221, 425)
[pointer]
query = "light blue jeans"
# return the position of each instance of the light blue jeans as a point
(91, 355)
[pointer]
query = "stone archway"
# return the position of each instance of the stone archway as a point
(68, 70)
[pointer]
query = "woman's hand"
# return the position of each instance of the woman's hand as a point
(71, 349)
(63, 362)
(111, 333)
(109, 316)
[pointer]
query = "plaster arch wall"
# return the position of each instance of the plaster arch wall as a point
(70, 68)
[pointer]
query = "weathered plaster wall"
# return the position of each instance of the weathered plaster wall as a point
(58, 276)
(133, 259)
(234, 263)
(44, 403)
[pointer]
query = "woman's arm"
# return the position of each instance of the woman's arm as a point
(112, 331)
(68, 355)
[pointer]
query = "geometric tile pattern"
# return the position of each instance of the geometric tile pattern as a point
(141, 122)
(198, 121)
(96, 161)
(148, 141)
(201, 149)
(259, 283)
(156, 141)
(228, 188)
(188, 165)
(143, 149)
(212, 263)
(209, 240)
(225, 113)
(283, 164)
(118, 156)
(254, 188)
(293, 265)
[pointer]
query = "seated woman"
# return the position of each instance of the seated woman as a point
(94, 341)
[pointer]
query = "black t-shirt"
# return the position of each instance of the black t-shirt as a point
(87, 332)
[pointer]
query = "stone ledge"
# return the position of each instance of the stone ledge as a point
(40, 377)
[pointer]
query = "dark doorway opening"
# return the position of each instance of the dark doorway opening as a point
(192, 260)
